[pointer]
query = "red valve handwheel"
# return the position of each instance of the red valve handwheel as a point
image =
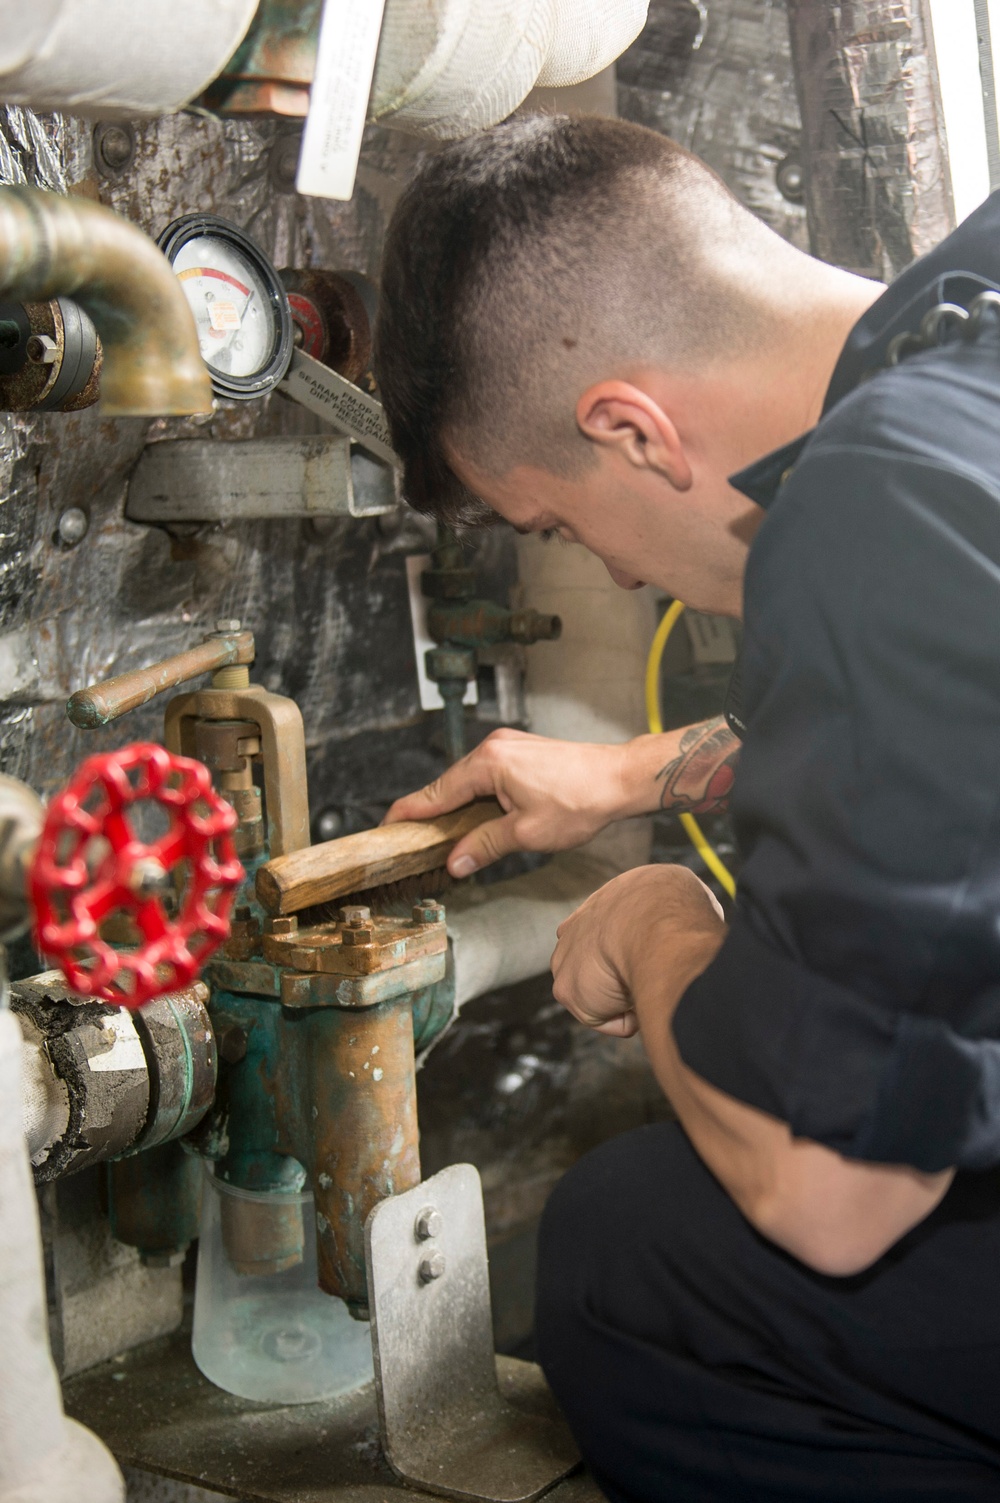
(91, 864)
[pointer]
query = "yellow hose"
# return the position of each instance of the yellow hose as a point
(692, 828)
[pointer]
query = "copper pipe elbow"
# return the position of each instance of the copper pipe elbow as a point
(55, 246)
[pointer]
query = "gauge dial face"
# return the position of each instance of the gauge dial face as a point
(240, 309)
(231, 306)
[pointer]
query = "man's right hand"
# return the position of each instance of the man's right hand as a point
(560, 794)
(557, 795)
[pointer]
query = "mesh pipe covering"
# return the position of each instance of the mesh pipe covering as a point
(451, 67)
(588, 37)
(44, 1458)
(44, 1097)
(116, 58)
(587, 686)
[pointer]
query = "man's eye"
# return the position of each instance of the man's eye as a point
(548, 533)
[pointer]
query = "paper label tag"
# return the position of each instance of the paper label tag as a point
(338, 97)
(223, 316)
(126, 1051)
(349, 409)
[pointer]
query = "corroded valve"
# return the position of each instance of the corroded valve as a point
(462, 626)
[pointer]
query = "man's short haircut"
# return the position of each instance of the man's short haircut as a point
(523, 264)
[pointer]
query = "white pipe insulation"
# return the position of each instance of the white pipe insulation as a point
(447, 68)
(44, 1457)
(116, 58)
(587, 686)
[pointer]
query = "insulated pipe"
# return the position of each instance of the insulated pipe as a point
(454, 67)
(111, 59)
(587, 686)
(44, 1457)
(53, 246)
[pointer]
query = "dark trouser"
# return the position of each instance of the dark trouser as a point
(696, 1362)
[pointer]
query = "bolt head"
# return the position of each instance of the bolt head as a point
(427, 911)
(233, 1045)
(355, 915)
(283, 161)
(791, 180)
(72, 526)
(428, 1224)
(227, 624)
(114, 147)
(329, 824)
(41, 349)
(284, 924)
(432, 1267)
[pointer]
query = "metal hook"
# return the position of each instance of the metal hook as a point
(939, 322)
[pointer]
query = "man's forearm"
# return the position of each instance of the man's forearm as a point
(687, 771)
(835, 1214)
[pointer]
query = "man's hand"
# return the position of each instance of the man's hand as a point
(557, 795)
(666, 907)
(560, 794)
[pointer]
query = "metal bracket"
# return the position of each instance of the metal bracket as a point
(208, 480)
(445, 1426)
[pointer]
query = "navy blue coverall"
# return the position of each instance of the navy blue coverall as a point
(857, 994)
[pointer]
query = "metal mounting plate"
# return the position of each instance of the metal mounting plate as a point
(445, 1426)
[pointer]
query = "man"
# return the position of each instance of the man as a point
(793, 1292)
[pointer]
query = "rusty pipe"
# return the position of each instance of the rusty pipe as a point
(53, 246)
(364, 1138)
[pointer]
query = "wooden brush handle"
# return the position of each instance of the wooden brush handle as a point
(354, 863)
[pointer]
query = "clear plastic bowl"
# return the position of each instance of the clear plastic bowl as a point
(266, 1335)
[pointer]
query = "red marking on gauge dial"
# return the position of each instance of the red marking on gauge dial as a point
(210, 271)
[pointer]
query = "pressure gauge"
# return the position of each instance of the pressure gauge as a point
(240, 307)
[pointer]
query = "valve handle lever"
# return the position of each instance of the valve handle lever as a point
(101, 703)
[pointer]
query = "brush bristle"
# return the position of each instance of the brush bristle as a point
(391, 899)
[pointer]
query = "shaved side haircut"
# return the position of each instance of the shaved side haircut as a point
(527, 262)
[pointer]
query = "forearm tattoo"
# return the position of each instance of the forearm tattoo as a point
(698, 781)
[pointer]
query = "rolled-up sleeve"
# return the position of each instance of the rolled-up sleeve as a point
(857, 995)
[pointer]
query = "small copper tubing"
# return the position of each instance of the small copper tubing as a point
(53, 246)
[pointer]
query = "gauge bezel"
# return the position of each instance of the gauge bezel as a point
(243, 388)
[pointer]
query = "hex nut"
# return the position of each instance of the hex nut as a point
(428, 911)
(357, 933)
(428, 1224)
(355, 915)
(283, 924)
(41, 349)
(432, 1267)
(227, 624)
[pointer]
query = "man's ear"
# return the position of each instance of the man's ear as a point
(623, 417)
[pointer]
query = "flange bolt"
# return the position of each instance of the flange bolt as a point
(428, 1224)
(431, 1267)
